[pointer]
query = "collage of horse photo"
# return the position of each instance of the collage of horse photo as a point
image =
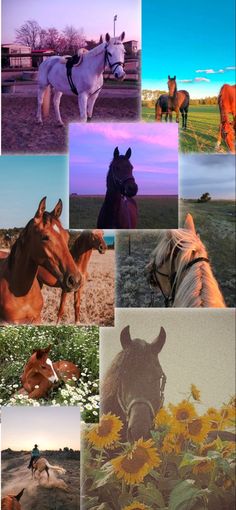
(117, 255)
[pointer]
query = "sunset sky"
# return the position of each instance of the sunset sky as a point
(154, 156)
(49, 427)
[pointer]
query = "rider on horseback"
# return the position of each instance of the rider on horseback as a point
(35, 454)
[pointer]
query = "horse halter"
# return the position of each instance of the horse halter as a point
(121, 182)
(111, 64)
(154, 281)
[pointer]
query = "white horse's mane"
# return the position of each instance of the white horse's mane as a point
(197, 286)
(100, 48)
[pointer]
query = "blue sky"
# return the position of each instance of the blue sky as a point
(154, 156)
(212, 173)
(27, 179)
(95, 18)
(183, 37)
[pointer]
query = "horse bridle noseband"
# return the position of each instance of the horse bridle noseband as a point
(127, 409)
(111, 64)
(169, 300)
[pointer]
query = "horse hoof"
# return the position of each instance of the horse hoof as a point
(39, 122)
(89, 119)
(60, 125)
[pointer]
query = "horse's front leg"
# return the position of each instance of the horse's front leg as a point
(219, 139)
(83, 104)
(91, 103)
(41, 92)
(62, 306)
(56, 101)
(177, 115)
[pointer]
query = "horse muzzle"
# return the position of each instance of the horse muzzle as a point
(119, 74)
(71, 282)
(130, 189)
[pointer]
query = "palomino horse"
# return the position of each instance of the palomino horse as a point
(178, 101)
(133, 387)
(181, 270)
(119, 209)
(227, 106)
(42, 464)
(81, 251)
(87, 78)
(12, 502)
(41, 374)
(42, 242)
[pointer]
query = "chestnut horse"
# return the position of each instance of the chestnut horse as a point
(42, 464)
(178, 101)
(119, 209)
(81, 251)
(227, 106)
(42, 242)
(41, 374)
(12, 502)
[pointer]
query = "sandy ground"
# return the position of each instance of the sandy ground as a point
(21, 133)
(60, 493)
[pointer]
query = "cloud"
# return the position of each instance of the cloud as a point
(230, 68)
(185, 81)
(201, 79)
(209, 71)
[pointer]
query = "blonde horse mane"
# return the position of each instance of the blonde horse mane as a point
(197, 286)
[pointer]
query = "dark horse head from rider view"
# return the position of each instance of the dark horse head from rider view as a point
(120, 177)
(133, 387)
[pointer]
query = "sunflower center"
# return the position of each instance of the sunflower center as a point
(195, 427)
(182, 414)
(135, 461)
(105, 428)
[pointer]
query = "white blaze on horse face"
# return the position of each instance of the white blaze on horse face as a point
(56, 228)
(53, 378)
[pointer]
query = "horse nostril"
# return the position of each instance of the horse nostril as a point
(116, 75)
(70, 281)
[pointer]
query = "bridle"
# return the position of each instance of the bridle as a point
(121, 182)
(136, 401)
(154, 281)
(111, 64)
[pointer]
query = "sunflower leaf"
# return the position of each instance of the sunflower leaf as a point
(185, 496)
(151, 495)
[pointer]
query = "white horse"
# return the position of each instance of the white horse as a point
(87, 77)
(180, 268)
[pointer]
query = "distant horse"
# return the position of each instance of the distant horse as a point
(227, 106)
(42, 242)
(41, 374)
(42, 464)
(133, 387)
(12, 502)
(178, 101)
(161, 107)
(119, 209)
(81, 251)
(181, 270)
(86, 79)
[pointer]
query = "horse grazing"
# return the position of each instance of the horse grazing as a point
(81, 251)
(119, 209)
(133, 387)
(86, 78)
(42, 242)
(42, 464)
(181, 270)
(41, 374)
(227, 106)
(178, 101)
(12, 502)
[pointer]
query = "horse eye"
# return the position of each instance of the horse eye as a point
(45, 238)
(43, 366)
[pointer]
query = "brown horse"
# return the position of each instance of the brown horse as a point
(227, 106)
(12, 502)
(81, 251)
(41, 374)
(178, 101)
(119, 209)
(42, 242)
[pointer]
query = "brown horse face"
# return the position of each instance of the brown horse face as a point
(98, 242)
(171, 85)
(12, 502)
(121, 174)
(40, 364)
(228, 135)
(49, 247)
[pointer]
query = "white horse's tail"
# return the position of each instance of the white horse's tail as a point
(47, 101)
(44, 69)
(55, 468)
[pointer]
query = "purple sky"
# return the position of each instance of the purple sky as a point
(154, 156)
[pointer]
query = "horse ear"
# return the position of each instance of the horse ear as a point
(128, 153)
(116, 153)
(168, 77)
(19, 495)
(40, 353)
(158, 343)
(174, 77)
(56, 213)
(122, 36)
(41, 208)
(189, 223)
(107, 38)
(125, 338)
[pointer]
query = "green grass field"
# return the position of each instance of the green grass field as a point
(153, 212)
(202, 131)
(215, 223)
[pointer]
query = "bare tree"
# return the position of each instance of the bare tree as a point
(74, 39)
(29, 34)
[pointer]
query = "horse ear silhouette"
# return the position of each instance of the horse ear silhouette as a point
(158, 343)
(125, 338)
(168, 77)
(189, 223)
(116, 153)
(56, 213)
(40, 353)
(41, 208)
(122, 36)
(128, 153)
(107, 38)
(19, 495)
(174, 77)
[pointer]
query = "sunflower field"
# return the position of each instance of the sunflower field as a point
(187, 464)
(78, 345)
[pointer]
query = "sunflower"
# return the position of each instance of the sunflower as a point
(136, 506)
(137, 462)
(173, 443)
(198, 428)
(203, 466)
(205, 448)
(228, 448)
(183, 412)
(162, 418)
(214, 417)
(195, 393)
(106, 432)
(227, 414)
